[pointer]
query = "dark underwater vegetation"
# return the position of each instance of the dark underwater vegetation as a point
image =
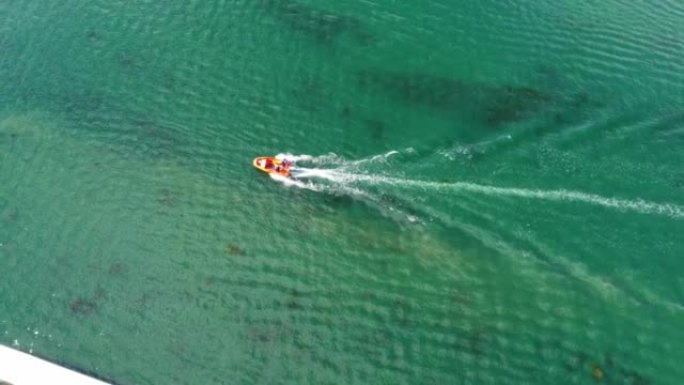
(492, 104)
(319, 25)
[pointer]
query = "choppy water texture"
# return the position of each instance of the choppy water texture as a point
(494, 192)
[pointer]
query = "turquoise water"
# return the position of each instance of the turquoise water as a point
(495, 191)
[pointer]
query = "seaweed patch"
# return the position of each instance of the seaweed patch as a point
(311, 94)
(165, 198)
(126, 62)
(294, 304)
(143, 136)
(510, 104)
(268, 333)
(8, 214)
(82, 102)
(321, 26)
(346, 112)
(92, 35)
(87, 306)
(117, 269)
(495, 105)
(414, 88)
(608, 369)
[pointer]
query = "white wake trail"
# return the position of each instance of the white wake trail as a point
(635, 205)
(338, 161)
(344, 177)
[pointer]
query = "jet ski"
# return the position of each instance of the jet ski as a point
(273, 165)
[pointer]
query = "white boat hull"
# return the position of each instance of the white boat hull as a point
(17, 368)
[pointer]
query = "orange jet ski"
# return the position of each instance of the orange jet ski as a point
(272, 165)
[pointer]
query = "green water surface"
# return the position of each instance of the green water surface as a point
(505, 203)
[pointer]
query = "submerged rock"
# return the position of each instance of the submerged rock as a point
(234, 250)
(82, 306)
(597, 372)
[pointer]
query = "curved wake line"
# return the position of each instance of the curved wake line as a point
(639, 205)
